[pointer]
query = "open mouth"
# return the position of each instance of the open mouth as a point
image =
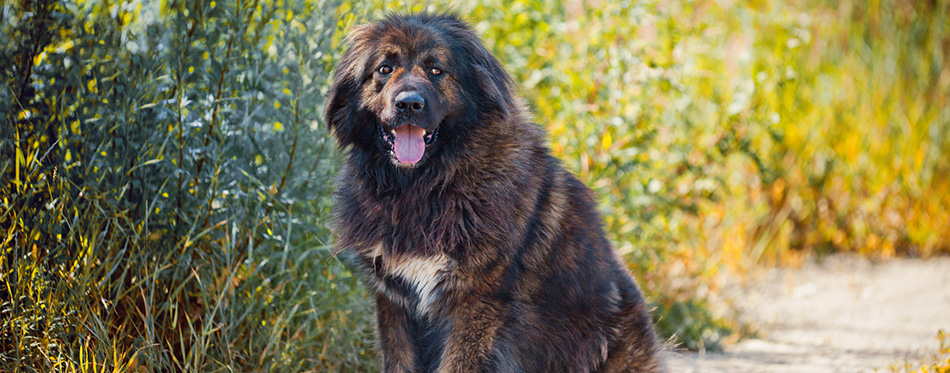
(408, 142)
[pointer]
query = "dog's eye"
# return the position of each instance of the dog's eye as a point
(435, 71)
(385, 70)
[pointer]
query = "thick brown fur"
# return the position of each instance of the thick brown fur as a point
(486, 255)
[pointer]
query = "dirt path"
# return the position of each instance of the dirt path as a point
(842, 315)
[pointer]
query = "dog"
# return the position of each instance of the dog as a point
(483, 252)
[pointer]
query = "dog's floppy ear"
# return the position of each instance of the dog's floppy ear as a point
(339, 111)
(489, 77)
(497, 92)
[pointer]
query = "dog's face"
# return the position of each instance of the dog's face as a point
(410, 92)
(409, 87)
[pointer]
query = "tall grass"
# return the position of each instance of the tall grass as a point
(164, 182)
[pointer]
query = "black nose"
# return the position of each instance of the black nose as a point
(410, 100)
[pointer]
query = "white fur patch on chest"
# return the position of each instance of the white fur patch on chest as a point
(422, 273)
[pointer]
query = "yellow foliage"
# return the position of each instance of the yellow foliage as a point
(938, 363)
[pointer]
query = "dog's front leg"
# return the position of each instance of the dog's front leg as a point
(475, 325)
(395, 344)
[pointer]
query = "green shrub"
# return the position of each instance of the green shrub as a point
(164, 179)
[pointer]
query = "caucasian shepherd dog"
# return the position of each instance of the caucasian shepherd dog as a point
(484, 253)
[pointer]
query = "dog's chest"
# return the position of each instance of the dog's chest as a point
(412, 280)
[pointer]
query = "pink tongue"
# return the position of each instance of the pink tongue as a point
(409, 144)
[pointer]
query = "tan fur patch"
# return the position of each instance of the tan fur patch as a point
(422, 273)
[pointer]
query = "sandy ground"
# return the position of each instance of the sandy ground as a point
(844, 314)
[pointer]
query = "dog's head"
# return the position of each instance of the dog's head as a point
(411, 86)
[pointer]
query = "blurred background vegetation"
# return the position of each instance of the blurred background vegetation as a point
(164, 167)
